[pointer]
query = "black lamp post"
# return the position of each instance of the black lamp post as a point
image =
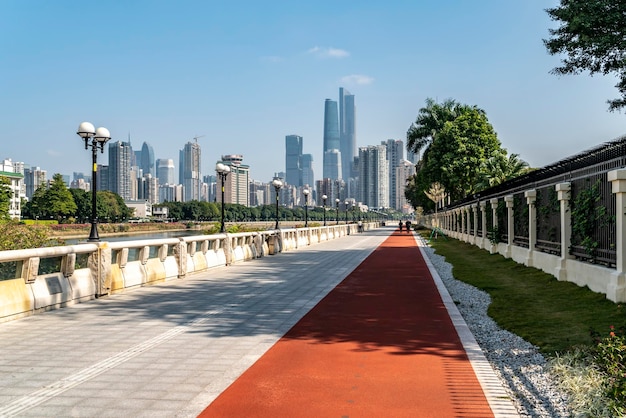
(277, 186)
(306, 192)
(347, 203)
(324, 197)
(98, 138)
(222, 172)
(337, 206)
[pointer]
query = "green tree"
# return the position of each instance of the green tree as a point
(110, 207)
(592, 35)
(459, 150)
(83, 205)
(430, 121)
(5, 198)
(58, 199)
(499, 168)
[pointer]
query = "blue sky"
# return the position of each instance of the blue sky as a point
(246, 73)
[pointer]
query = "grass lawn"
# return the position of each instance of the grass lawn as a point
(530, 303)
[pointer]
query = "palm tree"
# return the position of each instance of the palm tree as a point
(499, 168)
(436, 193)
(430, 120)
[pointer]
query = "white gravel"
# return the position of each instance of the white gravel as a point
(520, 366)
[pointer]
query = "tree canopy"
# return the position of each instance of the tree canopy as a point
(5, 198)
(592, 35)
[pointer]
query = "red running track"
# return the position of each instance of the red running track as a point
(381, 344)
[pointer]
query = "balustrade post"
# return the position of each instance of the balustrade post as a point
(616, 289)
(475, 217)
(100, 266)
(563, 194)
(531, 198)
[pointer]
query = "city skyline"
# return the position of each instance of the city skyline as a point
(242, 76)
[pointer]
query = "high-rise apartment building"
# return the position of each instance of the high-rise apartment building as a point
(236, 186)
(332, 153)
(395, 154)
(374, 176)
(293, 155)
(34, 177)
(190, 171)
(120, 158)
(9, 169)
(347, 131)
(404, 171)
(165, 171)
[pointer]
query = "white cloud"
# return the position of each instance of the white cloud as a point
(328, 52)
(357, 79)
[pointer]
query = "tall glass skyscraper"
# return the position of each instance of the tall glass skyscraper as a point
(347, 131)
(165, 170)
(332, 160)
(147, 160)
(293, 156)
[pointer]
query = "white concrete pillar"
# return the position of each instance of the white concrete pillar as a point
(563, 194)
(616, 289)
(483, 223)
(510, 225)
(531, 198)
(463, 224)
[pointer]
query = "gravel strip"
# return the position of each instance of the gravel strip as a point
(520, 366)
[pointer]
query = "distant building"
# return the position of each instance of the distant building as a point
(374, 176)
(120, 158)
(347, 132)
(395, 154)
(34, 177)
(142, 208)
(332, 154)
(306, 165)
(404, 171)
(146, 162)
(165, 171)
(236, 186)
(293, 159)
(189, 171)
(7, 169)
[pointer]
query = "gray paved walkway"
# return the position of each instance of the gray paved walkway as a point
(166, 350)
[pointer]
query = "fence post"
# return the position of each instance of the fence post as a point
(475, 216)
(531, 198)
(510, 225)
(616, 289)
(563, 194)
(494, 222)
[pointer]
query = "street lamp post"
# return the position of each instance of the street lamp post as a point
(337, 206)
(324, 197)
(98, 138)
(306, 192)
(277, 186)
(347, 203)
(222, 172)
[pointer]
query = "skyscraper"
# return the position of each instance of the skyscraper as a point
(146, 163)
(165, 171)
(293, 155)
(120, 158)
(307, 170)
(236, 186)
(395, 154)
(374, 176)
(190, 171)
(332, 153)
(347, 131)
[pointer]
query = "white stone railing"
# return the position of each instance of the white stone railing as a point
(110, 267)
(609, 281)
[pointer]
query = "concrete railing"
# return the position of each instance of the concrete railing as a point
(54, 277)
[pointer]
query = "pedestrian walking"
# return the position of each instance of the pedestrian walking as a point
(400, 225)
(408, 226)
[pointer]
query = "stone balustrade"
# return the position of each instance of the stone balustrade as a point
(83, 272)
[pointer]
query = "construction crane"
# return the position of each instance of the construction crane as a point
(195, 138)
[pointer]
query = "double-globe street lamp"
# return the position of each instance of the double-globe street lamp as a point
(98, 138)
(306, 192)
(222, 172)
(324, 197)
(277, 186)
(347, 203)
